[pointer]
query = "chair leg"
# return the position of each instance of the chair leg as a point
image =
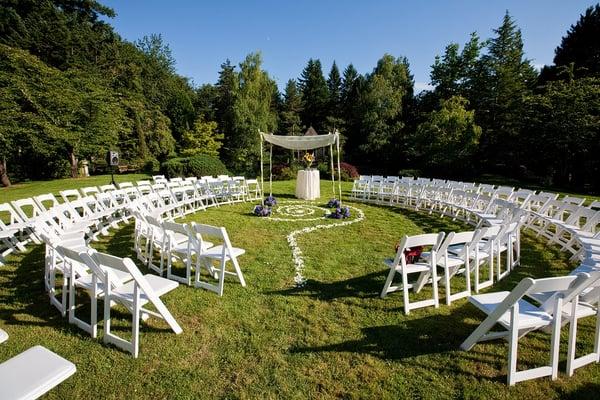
(513, 343)
(404, 289)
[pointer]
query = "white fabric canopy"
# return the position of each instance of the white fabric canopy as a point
(301, 142)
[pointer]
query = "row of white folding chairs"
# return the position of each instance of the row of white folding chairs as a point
(573, 297)
(476, 252)
(223, 187)
(170, 242)
(108, 205)
(105, 277)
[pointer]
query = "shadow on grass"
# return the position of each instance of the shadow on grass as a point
(429, 335)
(366, 286)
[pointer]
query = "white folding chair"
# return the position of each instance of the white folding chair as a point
(426, 269)
(452, 261)
(519, 317)
(33, 373)
(221, 253)
(134, 295)
(182, 243)
(81, 277)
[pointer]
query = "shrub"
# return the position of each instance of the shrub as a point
(151, 166)
(203, 164)
(286, 173)
(324, 169)
(415, 173)
(175, 167)
(348, 171)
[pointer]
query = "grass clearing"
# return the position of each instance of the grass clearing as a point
(332, 338)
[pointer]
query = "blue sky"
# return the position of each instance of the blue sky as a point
(203, 34)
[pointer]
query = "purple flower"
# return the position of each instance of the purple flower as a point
(261, 211)
(333, 203)
(339, 213)
(270, 201)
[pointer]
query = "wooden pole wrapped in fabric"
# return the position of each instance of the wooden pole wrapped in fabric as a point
(262, 173)
(271, 170)
(337, 141)
(332, 170)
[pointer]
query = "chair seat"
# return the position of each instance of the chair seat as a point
(183, 247)
(158, 284)
(410, 268)
(453, 260)
(583, 309)
(217, 251)
(32, 373)
(85, 281)
(530, 316)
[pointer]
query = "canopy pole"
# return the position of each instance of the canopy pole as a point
(262, 173)
(332, 170)
(271, 170)
(337, 141)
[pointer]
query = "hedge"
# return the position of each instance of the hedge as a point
(198, 165)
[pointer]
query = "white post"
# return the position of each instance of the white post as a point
(271, 171)
(262, 174)
(332, 170)
(337, 140)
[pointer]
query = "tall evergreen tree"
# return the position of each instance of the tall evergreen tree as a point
(352, 87)
(581, 45)
(334, 118)
(227, 91)
(314, 96)
(290, 122)
(506, 78)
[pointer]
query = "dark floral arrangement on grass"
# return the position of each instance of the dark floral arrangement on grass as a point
(334, 203)
(340, 212)
(261, 211)
(270, 201)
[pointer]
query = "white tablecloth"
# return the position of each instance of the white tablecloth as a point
(307, 184)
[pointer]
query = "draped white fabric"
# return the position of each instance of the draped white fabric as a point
(301, 142)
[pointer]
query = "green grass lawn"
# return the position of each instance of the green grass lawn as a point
(332, 338)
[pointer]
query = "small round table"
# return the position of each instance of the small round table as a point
(307, 184)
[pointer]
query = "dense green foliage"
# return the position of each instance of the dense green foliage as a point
(197, 165)
(71, 88)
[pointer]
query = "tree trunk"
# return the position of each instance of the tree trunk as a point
(74, 165)
(4, 180)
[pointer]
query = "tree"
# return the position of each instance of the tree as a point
(454, 73)
(291, 123)
(564, 140)
(334, 119)
(449, 137)
(506, 78)
(227, 91)
(202, 139)
(383, 99)
(252, 112)
(581, 45)
(314, 95)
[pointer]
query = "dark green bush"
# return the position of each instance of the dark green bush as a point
(151, 166)
(203, 164)
(174, 167)
(415, 173)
